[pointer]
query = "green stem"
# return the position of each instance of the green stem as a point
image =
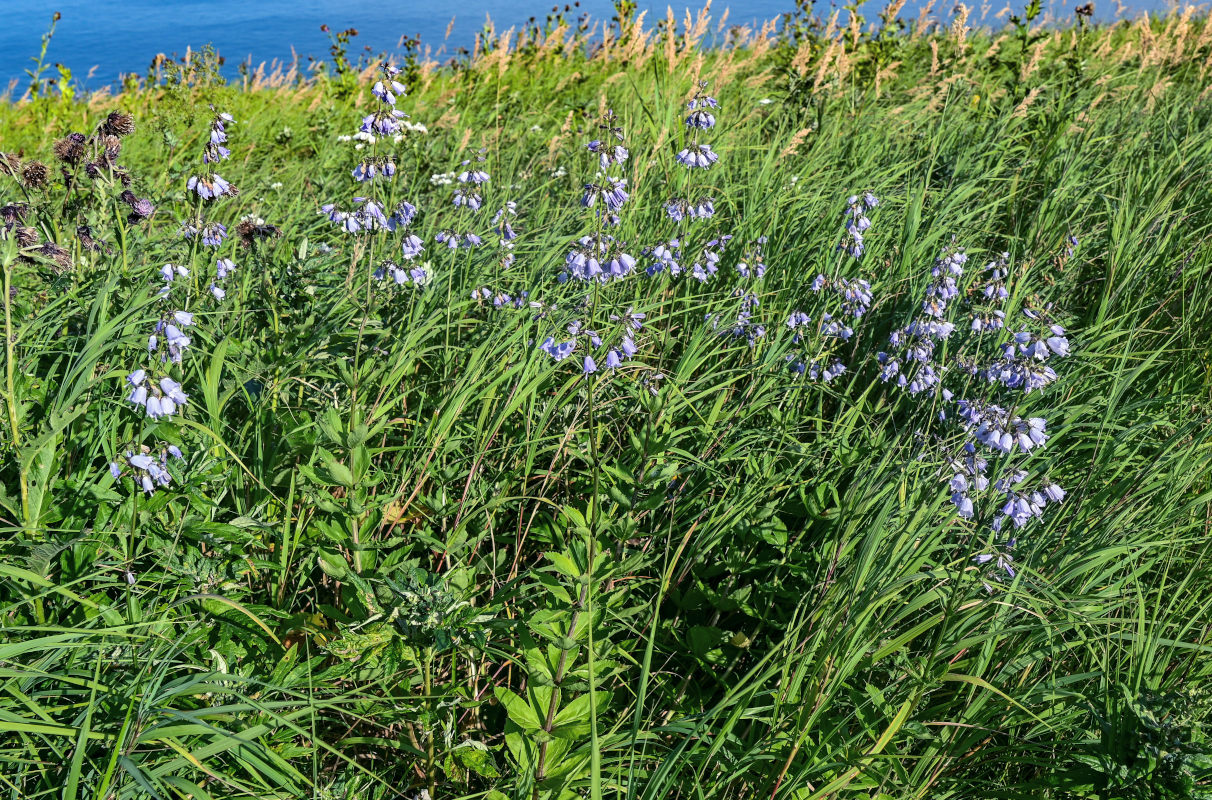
(540, 770)
(430, 755)
(595, 755)
(11, 393)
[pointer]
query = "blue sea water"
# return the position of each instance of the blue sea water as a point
(99, 41)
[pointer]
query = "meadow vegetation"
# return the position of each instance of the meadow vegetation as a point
(822, 413)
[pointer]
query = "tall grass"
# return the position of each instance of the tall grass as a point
(408, 552)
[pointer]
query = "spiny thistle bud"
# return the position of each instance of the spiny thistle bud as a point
(118, 124)
(34, 175)
(141, 209)
(70, 149)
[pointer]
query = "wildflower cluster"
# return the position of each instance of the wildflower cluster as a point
(599, 256)
(744, 326)
(753, 261)
(152, 390)
(696, 154)
(986, 461)
(501, 222)
(626, 325)
(843, 301)
(371, 211)
(148, 469)
(210, 186)
(670, 256)
(857, 223)
(468, 200)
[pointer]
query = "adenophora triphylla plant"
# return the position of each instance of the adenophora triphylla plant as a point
(209, 186)
(372, 210)
(842, 303)
(599, 258)
(988, 449)
(152, 388)
(502, 223)
(695, 203)
(468, 200)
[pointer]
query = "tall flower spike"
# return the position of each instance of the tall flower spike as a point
(370, 212)
(209, 185)
(600, 256)
(696, 155)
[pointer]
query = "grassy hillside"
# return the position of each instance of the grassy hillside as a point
(880, 467)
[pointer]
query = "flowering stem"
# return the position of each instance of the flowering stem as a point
(10, 390)
(595, 755)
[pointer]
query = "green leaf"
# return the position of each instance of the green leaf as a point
(518, 710)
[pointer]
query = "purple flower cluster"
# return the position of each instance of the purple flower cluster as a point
(845, 301)
(500, 299)
(366, 215)
(629, 324)
(210, 185)
(467, 200)
(504, 228)
(668, 257)
(857, 223)
(167, 339)
(370, 212)
(148, 471)
(159, 399)
(753, 260)
(599, 257)
(988, 469)
(385, 119)
(696, 155)
(401, 275)
(744, 326)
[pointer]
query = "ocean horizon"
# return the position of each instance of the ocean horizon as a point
(134, 32)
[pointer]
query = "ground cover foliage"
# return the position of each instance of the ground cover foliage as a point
(869, 460)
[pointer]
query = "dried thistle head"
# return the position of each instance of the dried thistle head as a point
(70, 149)
(250, 232)
(61, 256)
(34, 175)
(14, 213)
(85, 235)
(10, 164)
(27, 237)
(111, 148)
(118, 124)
